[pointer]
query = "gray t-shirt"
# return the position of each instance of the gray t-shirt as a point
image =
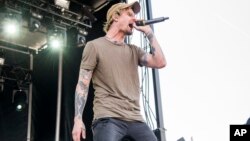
(115, 78)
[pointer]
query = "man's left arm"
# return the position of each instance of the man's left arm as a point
(156, 58)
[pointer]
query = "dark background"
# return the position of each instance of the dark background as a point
(13, 124)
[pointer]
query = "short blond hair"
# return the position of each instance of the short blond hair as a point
(116, 9)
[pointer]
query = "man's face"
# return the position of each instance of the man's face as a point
(126, 21)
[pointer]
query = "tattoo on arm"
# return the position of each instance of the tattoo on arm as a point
(81, 92)
(152, 51)
(143, 60)
(150, 36)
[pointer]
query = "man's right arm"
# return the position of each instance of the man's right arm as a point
(81, 94)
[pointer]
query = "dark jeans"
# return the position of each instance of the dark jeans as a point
(111, 129)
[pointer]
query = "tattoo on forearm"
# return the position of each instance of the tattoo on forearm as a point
(82, 92)
(80, 101)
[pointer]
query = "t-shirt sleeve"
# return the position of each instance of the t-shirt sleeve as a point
(140, 53)
(89, 57)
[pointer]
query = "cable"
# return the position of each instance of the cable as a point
(145, 83)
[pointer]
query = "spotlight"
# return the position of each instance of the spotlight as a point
(81, 41)
(81, 37)
(55, 38)
(83, 32)
(19, 98)
(11, 23)
(36, 15)
(62, 3)
(34, 24)
(2, 58)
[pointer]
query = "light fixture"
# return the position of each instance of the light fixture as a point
(2, 58)
(55, 38)
(81, 37)
(34, 24)
(83, 32)
(62, 3)
(11, 23)
(20, 99)
(81, 40)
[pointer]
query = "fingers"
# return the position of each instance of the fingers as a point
(83, 134)
(76, 136)
(78, 130)
(144, 29)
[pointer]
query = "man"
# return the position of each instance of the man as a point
(113, 67)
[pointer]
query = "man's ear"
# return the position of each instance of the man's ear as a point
(115, 17)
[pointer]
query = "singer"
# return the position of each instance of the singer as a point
(112, 65)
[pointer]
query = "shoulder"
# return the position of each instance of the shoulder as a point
(136, 48)
(95, 42)
(132, 46)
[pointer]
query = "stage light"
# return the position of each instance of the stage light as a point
(34, 24)
(81, 41)
(81, 37)
(11, 27)
(19, 98)
(2, 59)
(11, 24)
(55, 43)
(36, 15)
(62, 3)
(83, 32)
(55, 38)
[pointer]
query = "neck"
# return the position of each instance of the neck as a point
(115, 35)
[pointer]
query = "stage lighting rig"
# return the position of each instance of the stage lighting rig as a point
(16, 74)
(58, 12)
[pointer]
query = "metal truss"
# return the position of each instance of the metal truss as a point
(18, 76)
(48, 12)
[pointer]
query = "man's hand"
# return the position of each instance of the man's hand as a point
(145, 29)
(78, 130)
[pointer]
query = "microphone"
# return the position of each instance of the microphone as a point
(152, 21)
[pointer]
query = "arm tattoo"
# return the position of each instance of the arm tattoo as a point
(144, 60)
(150, 36)
(81, 92)
(152, 51)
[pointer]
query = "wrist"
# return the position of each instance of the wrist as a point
(77, 119)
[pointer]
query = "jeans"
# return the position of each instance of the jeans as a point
(111, 129)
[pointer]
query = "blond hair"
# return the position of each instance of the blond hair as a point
(117, 9)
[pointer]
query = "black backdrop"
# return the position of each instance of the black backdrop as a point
(45, 87)
(13, 125)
